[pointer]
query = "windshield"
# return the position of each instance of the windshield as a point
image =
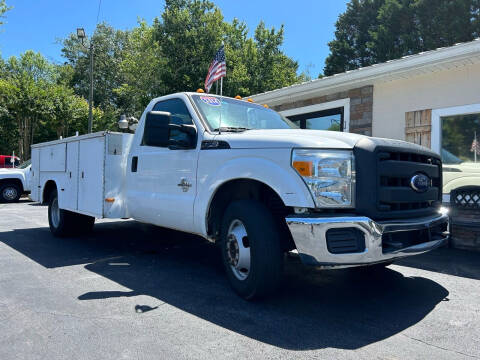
(449, 158)
(238, 114)
(24, 164)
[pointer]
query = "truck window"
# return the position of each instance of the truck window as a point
(180, 115)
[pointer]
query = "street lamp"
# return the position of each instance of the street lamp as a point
(82, 36)
(81, 33)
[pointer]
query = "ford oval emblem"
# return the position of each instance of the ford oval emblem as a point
(420, 183)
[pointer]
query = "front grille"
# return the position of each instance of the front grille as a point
(384, 171)
(395, 170)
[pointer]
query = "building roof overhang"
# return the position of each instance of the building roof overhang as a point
(441, 59)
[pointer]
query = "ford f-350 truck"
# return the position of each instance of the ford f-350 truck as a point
(244, 177)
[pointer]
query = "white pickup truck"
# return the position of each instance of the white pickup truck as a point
(14, 182)
(241, 175)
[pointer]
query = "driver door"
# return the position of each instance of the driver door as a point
(163, 182)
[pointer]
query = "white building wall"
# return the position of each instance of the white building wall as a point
(391, 100)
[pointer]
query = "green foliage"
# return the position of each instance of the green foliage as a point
(35, 105)
(3, 9)
(40, 101)
(373, 31)
(173, 54)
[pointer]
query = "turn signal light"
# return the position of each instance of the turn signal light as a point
(304, 168)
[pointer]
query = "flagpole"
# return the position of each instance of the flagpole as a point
(476, 146)
(221, 92)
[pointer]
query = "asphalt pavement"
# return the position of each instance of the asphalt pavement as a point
(134, 291)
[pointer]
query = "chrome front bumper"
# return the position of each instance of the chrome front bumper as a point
(309, 235)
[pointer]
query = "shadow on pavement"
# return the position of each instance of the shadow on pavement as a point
(447, 261)
(344, 309)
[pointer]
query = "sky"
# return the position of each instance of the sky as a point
(39, 25)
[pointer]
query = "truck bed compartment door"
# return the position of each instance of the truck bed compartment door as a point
(71, 184)
(90, 176)
(35, 178)
(52, 158)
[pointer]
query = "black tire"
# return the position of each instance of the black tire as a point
(83, 223)
(10, 193)
(264, 242)
(67, 223)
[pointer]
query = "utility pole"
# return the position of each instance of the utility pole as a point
(90, 96)
(82, 36)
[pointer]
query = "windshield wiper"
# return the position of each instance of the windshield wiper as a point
(231, 129)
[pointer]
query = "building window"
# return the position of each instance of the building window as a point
(460, 139)
(330, 119)
(331, 115)
(456, 136)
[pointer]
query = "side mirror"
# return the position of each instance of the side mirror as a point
(157, 130)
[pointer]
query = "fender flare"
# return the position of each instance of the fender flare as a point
(288, 185)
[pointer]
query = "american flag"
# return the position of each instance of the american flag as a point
(217, 69)
(475, 146)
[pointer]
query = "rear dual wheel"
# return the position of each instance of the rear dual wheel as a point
(64, 223)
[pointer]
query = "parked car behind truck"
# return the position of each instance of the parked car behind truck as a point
(7, 161)
(244, 177)
(15, 182)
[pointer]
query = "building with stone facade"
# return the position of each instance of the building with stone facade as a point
(431, 98)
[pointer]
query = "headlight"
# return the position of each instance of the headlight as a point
(329, 174)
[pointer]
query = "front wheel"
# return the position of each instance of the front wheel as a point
(10, 193)
(251, 249)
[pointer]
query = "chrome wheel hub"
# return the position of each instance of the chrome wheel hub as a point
(238, 250)
(55, 213)
(9, 193)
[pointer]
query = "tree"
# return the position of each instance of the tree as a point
(189, 33)
(35, 106)
(108, 49)
(141, 70)
(3, 9)
(373, 31)
(173, 54)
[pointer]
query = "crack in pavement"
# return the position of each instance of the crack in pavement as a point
(441, 348)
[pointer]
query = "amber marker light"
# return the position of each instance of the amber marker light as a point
(110, 200)
(265, 106)
(304, 168)
(238, 97)
(200, 91)
(250, 100)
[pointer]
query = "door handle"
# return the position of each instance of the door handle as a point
(134, 163)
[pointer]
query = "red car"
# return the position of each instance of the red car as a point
(6, 161)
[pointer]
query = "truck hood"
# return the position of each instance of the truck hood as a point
(290, 138)
(10, 171)
(468, 167)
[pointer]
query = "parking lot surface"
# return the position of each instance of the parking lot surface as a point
(133, 291)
